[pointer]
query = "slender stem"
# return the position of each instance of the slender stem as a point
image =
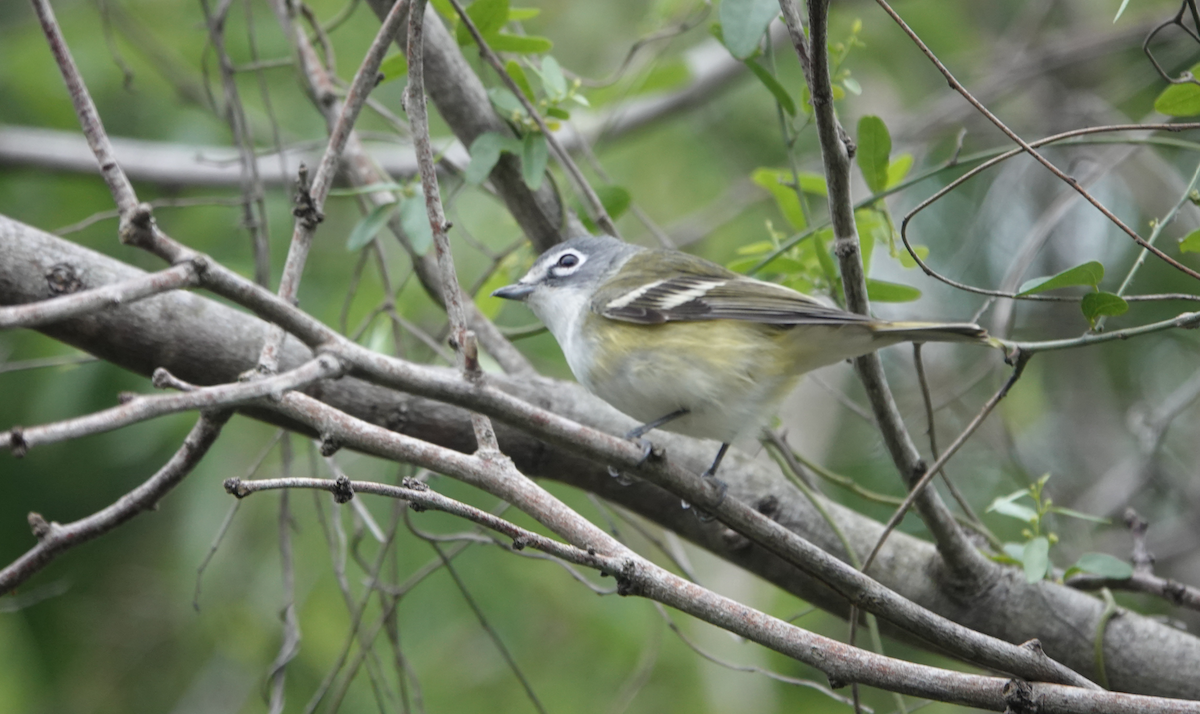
(1021, 360)
(418, 116)
(184, 275)
(1029, 149)
(1159, 225)
(312, 197)
(564, 158)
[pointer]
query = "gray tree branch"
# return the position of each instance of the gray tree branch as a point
(206, 343)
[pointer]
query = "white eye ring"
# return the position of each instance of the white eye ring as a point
(567, 263)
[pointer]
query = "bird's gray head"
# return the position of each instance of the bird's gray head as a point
(564, 278)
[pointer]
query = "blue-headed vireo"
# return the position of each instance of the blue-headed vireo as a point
(679, 342)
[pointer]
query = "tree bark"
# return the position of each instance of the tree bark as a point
(204, 342)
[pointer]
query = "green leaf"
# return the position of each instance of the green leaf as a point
(1090, 273)
(871, 227)
(487, 15)
(445, 8)
(1180, 100)
(881, 291)
(1071, 513)
(517, 72)
(485, 152)
(1036, 558)
(521, 44)
(1007, 506)
(1099, 304)
(614, 198)
(874, 146)
(906, 258)
(507, 102)
(669, 73)
(415, 219)
(1104, 565)
(534, 153)
(898, 168)
(821, 238)
(553, 80)
(517, 14)
(777, 181)
(558, 113)
(1016, 510)
(1015, 552)
(743, 23)
(813, 183)
(1190, 243)
(393, 67)
(492, 307)
(773, 86)
(369, 225)
(851, 84)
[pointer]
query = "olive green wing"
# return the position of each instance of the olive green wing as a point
(699, 290)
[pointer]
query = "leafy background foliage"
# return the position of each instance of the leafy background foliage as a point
(111, 627)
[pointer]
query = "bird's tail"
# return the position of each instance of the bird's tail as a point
(932, 331)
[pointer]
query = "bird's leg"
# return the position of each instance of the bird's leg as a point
(712, 470)
(710, 476)
(635, 436)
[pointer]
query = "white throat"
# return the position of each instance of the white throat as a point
(563, 311)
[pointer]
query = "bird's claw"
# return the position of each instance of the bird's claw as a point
(722, 489)
(648, 450)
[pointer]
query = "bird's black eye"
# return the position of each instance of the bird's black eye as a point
(568, 260)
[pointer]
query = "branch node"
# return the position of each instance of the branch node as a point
(1143, 559)
(201, 263)
(306, 207)
(413, 484)
(1035, 646)
(343, 492)
(851, 147)
(62, 279)
(163, 379)
(518, 543)
(39, 525)
(1018, 697)
(1175, 592)
(16, 442)
(329, 445)
(137, 228)
(331, 364)
(127, 397)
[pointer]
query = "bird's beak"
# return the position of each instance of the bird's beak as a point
(516, 291)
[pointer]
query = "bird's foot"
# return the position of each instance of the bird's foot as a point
(722, 488)
(649, 451)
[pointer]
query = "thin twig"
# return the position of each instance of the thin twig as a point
(311, 202)
(1021, 359)
(564, 157)
(55, 539)
(62, 307)
(138, 408)
(839, 662)
(1029, 149)
(461, 338)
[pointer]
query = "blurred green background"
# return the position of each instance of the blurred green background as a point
(111, 625)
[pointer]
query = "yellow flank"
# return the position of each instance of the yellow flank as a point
(638, 367)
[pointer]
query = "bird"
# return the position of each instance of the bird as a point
(684, 344)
